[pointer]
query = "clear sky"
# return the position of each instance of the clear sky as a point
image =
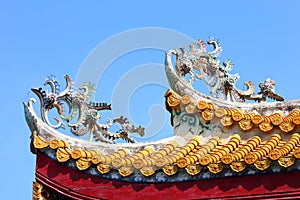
(39, 38)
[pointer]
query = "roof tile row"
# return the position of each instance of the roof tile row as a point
(192, 156)
(230, 116)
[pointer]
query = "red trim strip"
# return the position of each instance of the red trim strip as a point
(79, 185)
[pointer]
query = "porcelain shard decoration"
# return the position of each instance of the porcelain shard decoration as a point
(80, 114)
(201, 64)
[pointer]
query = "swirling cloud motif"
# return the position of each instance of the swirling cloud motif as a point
(149, 74)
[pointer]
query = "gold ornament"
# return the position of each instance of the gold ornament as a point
(227, 159)
(148, 170)
(265, 126)
(39, 143)
(237, 115)
(76, 154)
(275, 154)
(83, 163)
(193, 169)
(126, 170)
(205, 160)
(207, 114)
(63, 154)
(286, 126)
(250, 158)
(96, 159)
(257, 119)
(39, 191)
(170, 169)
(173, 100)
(276, 119)
(138, 164)
(118, 162)
(296, 119)
(160, 162)
(202, 105)
(226, 121)
(296, 153)
(286, 161)
(103, 168)
(245, 124)
(182, 162)
(262, 164)
(238, 166)
(215, 167)
(54, 144)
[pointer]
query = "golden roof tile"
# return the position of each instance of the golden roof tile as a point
(262, 164)
(214, 157)
(193, 169)
(286, 161)
(54, 144)
(178, 153)
(120, 153)
(215, 167)
(242, 151)
(126, 170)
(83, 163)
(118, 162)
(103, 168)
(263, 149)
(287, 147)
(63, 154)
(148, 170)
(200, 152)
(170, 169)
(238, 166)
(39, 143)
(149, 161)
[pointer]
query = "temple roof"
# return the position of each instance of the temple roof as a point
(220, 135)
(244, 143)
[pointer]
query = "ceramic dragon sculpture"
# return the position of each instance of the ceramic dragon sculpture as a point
(200, 64)
(81, 115)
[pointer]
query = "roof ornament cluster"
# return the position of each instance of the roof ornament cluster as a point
(81, 115)
(200, 64)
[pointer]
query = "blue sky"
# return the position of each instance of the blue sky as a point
(39, 38)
